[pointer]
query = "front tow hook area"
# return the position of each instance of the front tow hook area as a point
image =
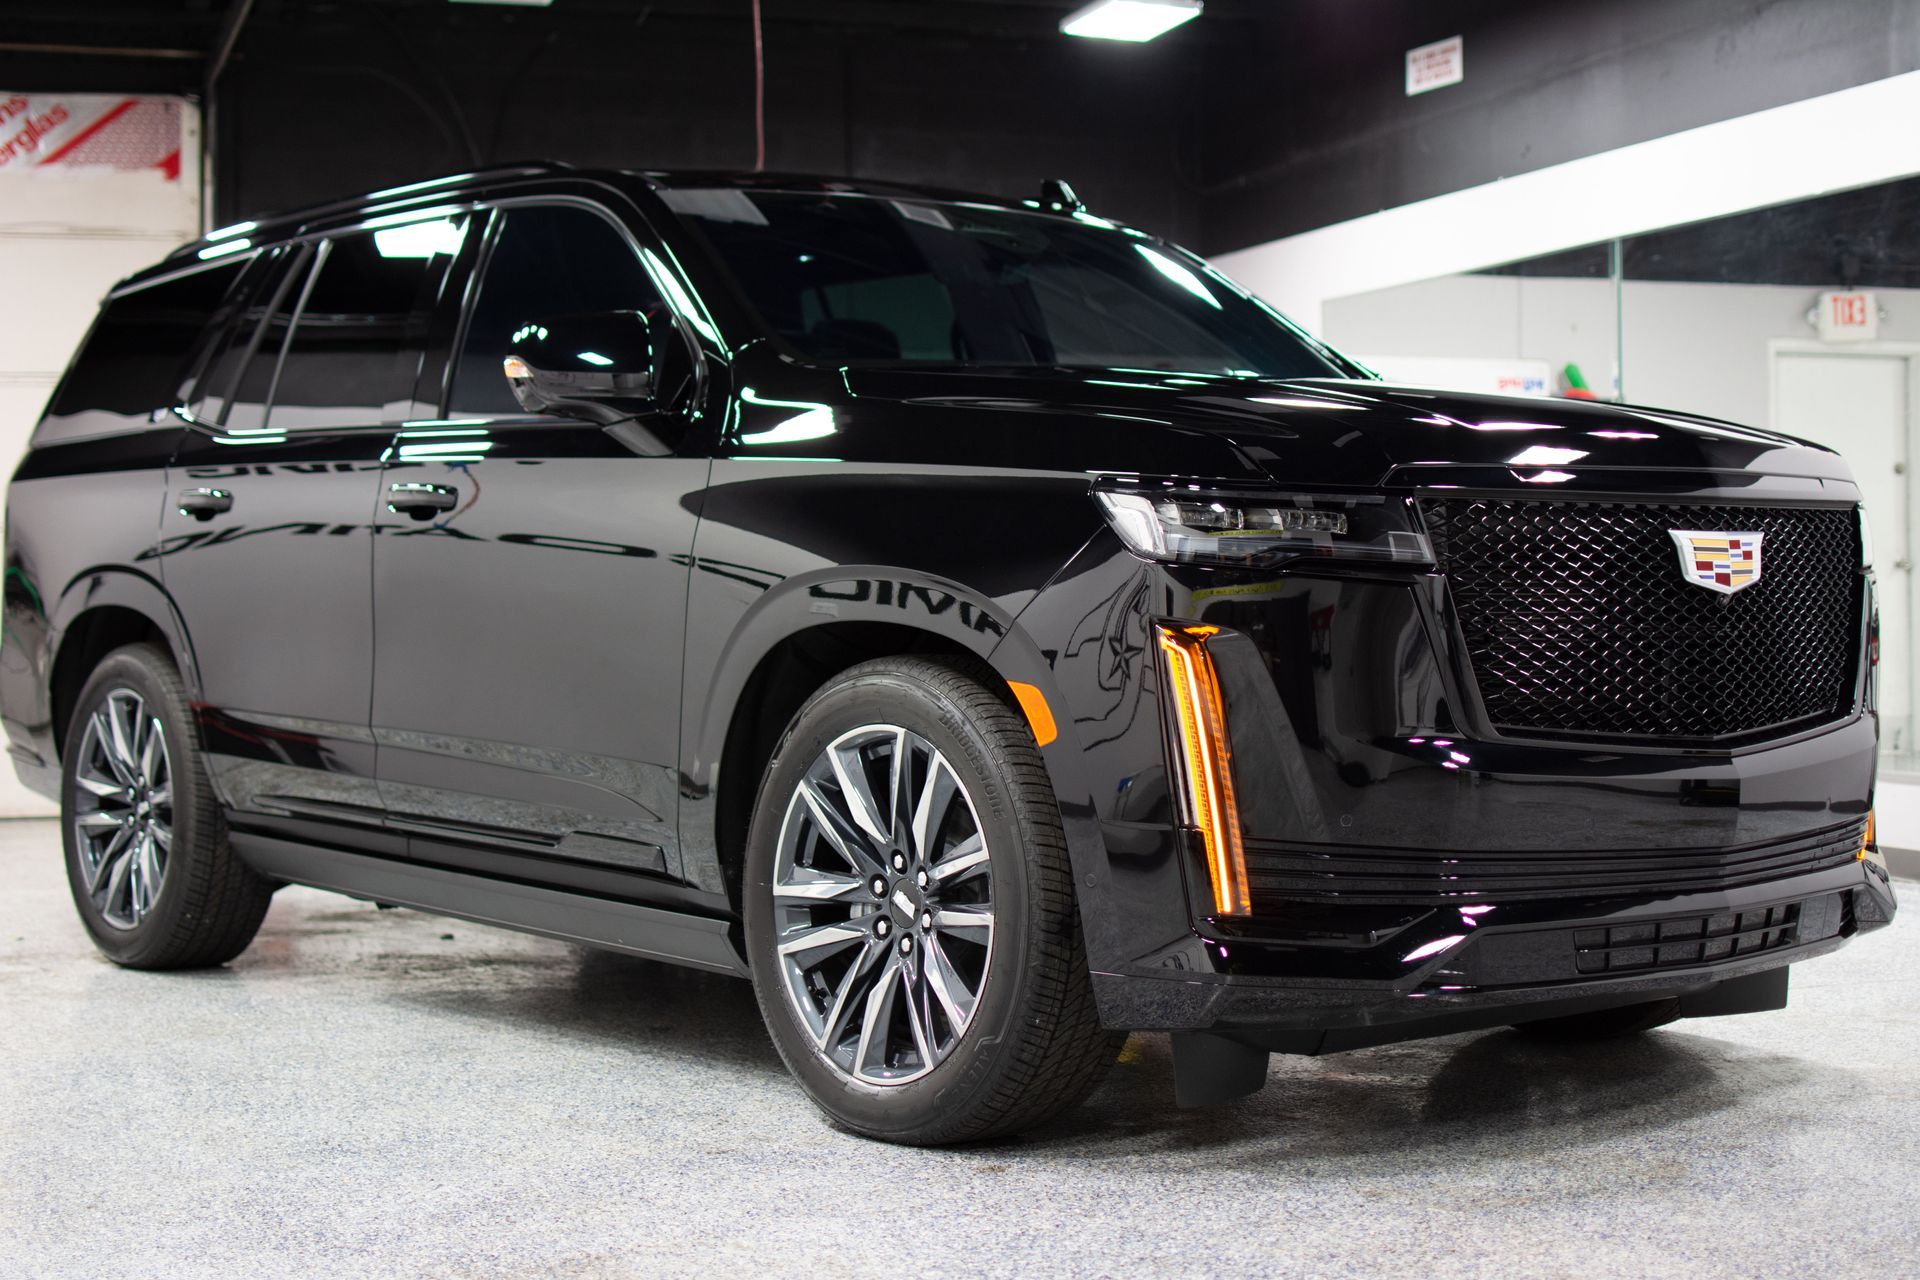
(1209, 1070)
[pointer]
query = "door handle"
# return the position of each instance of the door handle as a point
(421, 501)
(205, 504)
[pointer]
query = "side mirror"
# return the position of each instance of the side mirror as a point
(596, 367)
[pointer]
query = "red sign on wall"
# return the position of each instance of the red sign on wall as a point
(1848, 317)
(64, 133)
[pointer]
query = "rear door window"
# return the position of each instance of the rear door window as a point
(270, 292)
(353, 355)
(133, 362)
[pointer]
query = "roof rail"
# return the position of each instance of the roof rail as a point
(309, 213)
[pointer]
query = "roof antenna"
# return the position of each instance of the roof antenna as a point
(1057, 197)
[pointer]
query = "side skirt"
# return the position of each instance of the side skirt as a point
(697, 941)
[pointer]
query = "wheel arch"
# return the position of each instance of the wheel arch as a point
(103, 610)
(792, 643)
(781, 682)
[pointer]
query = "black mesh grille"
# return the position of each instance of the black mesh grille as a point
(1576, 617)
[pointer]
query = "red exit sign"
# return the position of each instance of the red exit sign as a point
(1848, 317)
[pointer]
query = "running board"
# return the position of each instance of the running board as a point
(649, 932)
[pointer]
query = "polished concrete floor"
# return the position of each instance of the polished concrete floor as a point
(374, 1093)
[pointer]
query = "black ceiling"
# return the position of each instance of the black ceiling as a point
(1263, 118)
(167, 29)
(982, 94)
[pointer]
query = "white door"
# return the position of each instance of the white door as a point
(1858, 404)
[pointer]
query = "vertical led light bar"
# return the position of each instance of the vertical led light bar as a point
(1200, 717)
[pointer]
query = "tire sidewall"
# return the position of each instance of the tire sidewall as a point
(140, 670)
(970, 1070)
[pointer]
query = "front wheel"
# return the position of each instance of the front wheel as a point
(910, 914)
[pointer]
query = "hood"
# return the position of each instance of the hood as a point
(1314, 431)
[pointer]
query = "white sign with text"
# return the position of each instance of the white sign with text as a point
(1436, 65)
(1847, 317)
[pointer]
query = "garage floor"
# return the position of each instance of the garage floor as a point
(382, 1093)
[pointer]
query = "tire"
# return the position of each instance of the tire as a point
(1603, 1024)
(141, 809)
(925, 1064)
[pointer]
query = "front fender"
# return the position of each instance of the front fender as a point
(851, 594)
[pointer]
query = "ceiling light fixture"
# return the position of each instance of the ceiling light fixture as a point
(1136, 21)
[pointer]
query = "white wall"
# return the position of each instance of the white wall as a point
(65, 238)
(1852, 138)
(1702, 348)
(1483, 317)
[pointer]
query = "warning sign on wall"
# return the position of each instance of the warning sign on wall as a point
(1436, 65)
(49, 134)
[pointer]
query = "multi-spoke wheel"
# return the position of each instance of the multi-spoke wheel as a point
(147, 853)
(123, 808)
(883, 904)
(910, 911)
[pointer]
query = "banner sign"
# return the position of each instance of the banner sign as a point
(53, 133)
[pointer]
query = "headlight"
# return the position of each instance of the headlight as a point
(1196, 525)
(1866, 538)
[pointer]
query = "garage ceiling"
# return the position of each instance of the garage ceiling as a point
(171, 28)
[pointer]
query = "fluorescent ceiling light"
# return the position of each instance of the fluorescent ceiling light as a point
(1133, 20)
(530, 4)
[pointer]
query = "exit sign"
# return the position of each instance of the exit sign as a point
(1436, 65)
(1848, 317)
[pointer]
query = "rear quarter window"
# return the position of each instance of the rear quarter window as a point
(133, 360)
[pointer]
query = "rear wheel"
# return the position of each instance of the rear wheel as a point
(1603, 1024)
(909, 911)
(146, 848)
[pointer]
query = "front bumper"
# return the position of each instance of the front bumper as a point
(1412, 872)
(1546, 962)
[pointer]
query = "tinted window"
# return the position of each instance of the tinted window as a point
(253, 349)
(355, 349)
(271, 285)
(136, 356)
(854, 279)
(546, 262)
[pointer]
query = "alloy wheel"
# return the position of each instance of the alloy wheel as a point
(883, 905)
(123, 808)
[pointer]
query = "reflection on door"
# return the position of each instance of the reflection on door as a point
(1859, 404)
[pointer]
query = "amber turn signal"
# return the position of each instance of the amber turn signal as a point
(1039, 715)
(1193, 687)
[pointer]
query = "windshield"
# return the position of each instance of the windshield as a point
(852, 279)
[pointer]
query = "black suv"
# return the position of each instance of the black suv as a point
(976, 621)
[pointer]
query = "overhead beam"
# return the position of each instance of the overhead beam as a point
(229, 35)
(97, 50)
